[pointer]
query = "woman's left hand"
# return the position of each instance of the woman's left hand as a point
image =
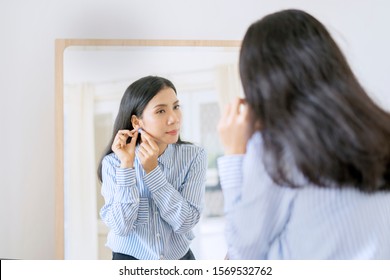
(234, 128)
(148, 152)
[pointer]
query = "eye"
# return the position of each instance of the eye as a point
(160, 111)
(176, 107)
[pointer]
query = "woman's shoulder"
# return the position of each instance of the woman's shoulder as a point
(189, 149)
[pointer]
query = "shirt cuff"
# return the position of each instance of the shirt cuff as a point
(230, 171)
(155, 179)
(125, 177)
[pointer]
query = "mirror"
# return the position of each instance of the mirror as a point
(91, 77)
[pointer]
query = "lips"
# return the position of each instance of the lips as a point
(173, 132)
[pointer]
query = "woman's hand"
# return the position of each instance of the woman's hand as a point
(148, 152)
(125, 152)
(234, 127)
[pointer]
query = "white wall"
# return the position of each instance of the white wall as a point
(28, 30)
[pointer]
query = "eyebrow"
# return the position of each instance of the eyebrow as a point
(165, 105)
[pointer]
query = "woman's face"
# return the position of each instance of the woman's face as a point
(162, 117)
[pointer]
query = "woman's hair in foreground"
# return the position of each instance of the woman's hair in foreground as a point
(133, 102)
(312, 109)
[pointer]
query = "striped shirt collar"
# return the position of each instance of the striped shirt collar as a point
(166, 158)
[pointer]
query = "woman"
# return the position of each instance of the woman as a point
(306, 173)
(152, 182)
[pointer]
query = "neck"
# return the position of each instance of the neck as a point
(162, 148)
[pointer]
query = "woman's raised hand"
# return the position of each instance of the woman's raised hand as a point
(148, 152)
(234, 127)
(125, 152)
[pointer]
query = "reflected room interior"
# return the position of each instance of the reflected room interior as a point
(94, 78)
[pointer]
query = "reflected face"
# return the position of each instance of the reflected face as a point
(162, 117)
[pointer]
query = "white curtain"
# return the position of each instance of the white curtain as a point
(228, 84)
(80, 174)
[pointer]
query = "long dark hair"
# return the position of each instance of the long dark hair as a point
(133, 102)
(313, 111)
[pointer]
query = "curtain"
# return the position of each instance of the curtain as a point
(80, 173)
(228, 84)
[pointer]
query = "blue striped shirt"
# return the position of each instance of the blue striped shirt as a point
(267, 221)
(151, 216)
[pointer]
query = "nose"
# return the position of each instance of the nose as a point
(173, 118)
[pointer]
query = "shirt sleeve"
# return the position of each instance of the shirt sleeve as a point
(257, 210)
(180, 208)
(121, 196)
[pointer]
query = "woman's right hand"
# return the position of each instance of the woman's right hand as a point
(125, 152)
(234, 127)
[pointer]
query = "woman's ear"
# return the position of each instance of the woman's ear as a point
(135, 122)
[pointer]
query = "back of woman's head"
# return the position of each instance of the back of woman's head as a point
(313, 111)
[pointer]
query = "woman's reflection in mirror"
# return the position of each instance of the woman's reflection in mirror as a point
(153, 183)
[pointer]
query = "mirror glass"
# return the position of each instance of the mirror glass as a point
(94, 79)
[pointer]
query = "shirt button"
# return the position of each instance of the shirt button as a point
(161, 257)
(158, 235)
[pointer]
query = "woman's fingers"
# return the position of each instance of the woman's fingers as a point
(148, 139)
(130, 147)
(244, 112)
(145, 150)
(236, 106)
(233, 127)
(120, 140)
(134, 136)
(233, 110)
(148, 157)
(226, 111)
(148, 150)
(124, 132)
